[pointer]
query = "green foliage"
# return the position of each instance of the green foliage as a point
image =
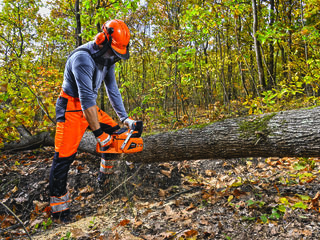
(192, 62)
(47, 224)
(304, 197)
(276, 212)
(304, 164)
(255, 203)
(95, 13)
(67, 236)
(300, 205)
(20, 76)
(264, 218)
(92, 223)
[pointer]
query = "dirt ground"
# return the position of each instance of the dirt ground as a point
(204, 199)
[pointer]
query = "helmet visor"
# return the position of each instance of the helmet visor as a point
(120, 53)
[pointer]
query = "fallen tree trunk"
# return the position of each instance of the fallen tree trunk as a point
(294, 133)
(30, 142)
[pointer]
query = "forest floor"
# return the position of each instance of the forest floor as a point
(205, 199)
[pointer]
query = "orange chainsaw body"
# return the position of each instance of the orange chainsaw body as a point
(134, 143)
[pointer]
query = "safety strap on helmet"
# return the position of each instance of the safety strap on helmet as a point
(106, 44)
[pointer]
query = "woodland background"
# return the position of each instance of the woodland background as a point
(192, 63)
(190, 60)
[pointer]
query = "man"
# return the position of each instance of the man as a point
(76, 108)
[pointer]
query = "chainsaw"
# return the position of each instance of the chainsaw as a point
(125, 140)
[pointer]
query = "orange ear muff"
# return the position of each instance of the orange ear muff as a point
(100, 38)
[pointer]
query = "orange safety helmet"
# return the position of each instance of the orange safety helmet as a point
(117, 35)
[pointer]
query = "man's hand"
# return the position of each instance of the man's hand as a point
(104, 139)
(130, 123)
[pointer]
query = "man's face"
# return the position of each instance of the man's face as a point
(108, 58)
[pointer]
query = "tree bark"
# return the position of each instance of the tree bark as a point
(257, 46)
(271, 83)
(286, 134)
(30, 142)
(78, 21)
(238, 31)
(294, 133)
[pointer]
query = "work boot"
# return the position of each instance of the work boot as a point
(101, 179)
(62, 217)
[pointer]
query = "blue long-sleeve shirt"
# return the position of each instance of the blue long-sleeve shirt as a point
(83, 78)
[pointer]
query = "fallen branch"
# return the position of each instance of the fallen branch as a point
(183, 192)
(176, 234)
(9, 210)
(31, 142)
(10, 228)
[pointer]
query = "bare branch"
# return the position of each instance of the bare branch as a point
(9, 210)
(9, 43)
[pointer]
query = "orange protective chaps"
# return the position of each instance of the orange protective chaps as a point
(71, 125)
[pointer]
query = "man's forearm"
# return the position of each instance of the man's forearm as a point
(91, 114)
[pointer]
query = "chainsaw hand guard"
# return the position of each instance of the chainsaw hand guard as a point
(138, 127)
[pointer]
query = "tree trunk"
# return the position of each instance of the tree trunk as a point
(78, 21)
(271, 83)
(257, 46)
(237, 32)
(290, 41)
(294, 133)
(221, 74)
(209, 97)
(304, 41)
